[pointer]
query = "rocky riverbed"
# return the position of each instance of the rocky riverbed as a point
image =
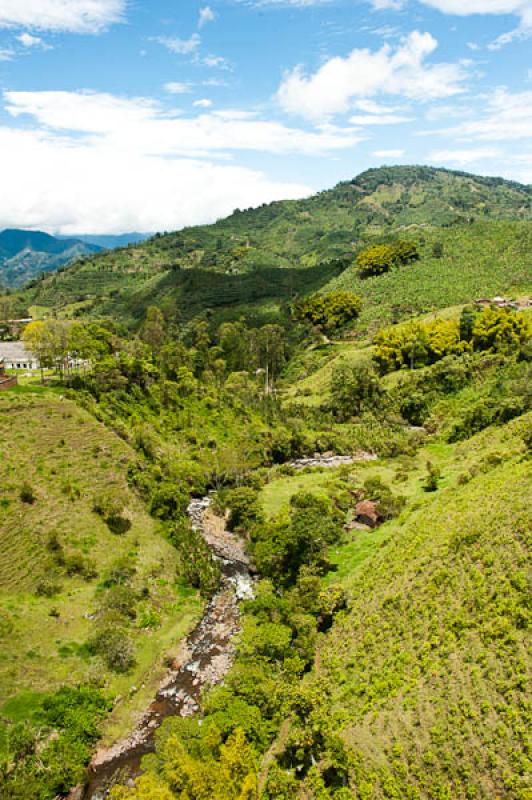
(331, 460)
(204, 659)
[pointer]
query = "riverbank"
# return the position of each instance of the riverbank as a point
(204, 658)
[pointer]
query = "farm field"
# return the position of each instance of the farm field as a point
(54, 449)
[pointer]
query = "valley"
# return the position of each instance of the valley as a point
(267, 535)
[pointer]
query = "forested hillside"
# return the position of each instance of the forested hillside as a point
(236, 262)
(355, 424)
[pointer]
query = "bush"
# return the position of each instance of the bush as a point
(389, 505)
(110, 505)
(77, 564)
(27, 493)
(433, 478)
(121, 571)
(48, 586)
(112, 643)
(119, 599)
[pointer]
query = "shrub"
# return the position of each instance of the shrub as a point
(110, 505)
(389, 505)
(433, 478)
(121, 571)
(48, 586)
(119, 599)
(113, 644)
(27, 493)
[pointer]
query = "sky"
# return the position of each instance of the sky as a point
(149, 115)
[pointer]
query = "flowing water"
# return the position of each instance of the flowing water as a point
(206, 657)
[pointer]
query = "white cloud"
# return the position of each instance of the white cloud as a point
(182, 46)
(206, 15)
(520, 8)
(465, 7)
(296, 3)
(507, 116)
(6, 54)
(388, 153)
(216, 62)
(204, 103)
(384, 5)
(378, 119)
(28, 40)
(364, 73)
(76, 16)
(177, 87)
(68, 186)
(107, 164)
(464, 157)
(140, 125)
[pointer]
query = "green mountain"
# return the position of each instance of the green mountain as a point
(257, 258)
(385, 652)
(26, 254)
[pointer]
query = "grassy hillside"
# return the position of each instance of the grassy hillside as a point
(236, 261)
(425, 673)
(479, 260)
(49, 596)
(427, 670)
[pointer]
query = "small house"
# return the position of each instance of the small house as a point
(14, 355)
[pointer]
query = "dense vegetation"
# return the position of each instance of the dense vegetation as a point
(471, 234)
(373, 662)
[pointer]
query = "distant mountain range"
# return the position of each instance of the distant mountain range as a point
(111, 242)
(26, 254)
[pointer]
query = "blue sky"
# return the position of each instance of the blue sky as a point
(121, 115)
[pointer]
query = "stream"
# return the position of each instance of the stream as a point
(205, 657)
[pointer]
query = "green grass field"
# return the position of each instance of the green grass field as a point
(67, 457)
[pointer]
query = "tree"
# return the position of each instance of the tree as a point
(153, 329)
(269, 351)
(329, 312)
(380, 258)
(48, 340)
(467, 322)
(499, 328)
(354, 389)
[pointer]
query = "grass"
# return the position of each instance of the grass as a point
(66, 457)
(480, 260)
(426, 669)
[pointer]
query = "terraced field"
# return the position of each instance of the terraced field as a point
(58, 451)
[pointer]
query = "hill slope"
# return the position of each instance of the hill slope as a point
(57, 555)
(294, 235)
(427, 670)
(26, 254)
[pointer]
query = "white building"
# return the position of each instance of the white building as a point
(15, 356)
